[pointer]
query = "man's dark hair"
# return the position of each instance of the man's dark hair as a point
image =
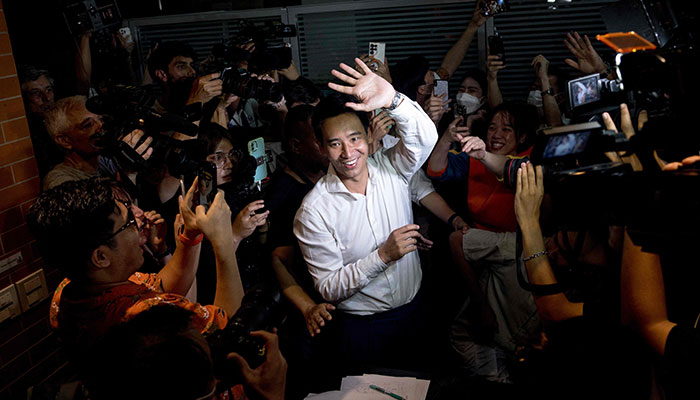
(479, 76)
(28, 73)
(164, 54)
(70, 221)
(409, 74)
(524, 118)
(154, 355)
(303, 91)
(294, 121)
(332, 106)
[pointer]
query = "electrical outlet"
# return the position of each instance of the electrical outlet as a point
(32, 290)
(10, 262)
(9, 304)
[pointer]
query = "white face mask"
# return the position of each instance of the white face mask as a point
(535, 98)
(469, 102)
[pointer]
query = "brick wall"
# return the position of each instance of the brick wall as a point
(28, 350)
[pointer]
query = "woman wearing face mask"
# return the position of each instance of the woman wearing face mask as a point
(545, 93)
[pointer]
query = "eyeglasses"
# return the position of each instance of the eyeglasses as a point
(219, 158)
(131, 220)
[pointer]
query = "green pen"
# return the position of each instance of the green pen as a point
(386, 392)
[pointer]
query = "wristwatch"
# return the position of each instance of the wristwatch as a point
(549, 91)
(395, 103)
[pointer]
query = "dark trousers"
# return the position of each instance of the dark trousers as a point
(391, 339)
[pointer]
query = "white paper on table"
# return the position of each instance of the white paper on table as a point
(406, 387)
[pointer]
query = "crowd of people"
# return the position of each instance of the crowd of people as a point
(394, 234)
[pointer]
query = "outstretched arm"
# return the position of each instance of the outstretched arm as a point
(643, 296)
(178, 274)
(417, 131)
(314, 314)
(528, 199)
(455, 55)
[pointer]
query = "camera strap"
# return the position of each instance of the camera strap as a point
(537, 290)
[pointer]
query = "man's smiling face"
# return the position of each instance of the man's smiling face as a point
(345, 142)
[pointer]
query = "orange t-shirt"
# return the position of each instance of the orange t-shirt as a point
(81, 320)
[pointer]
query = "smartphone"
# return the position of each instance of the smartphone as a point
(126, 34)
(392, 131)
(256, 148)
(496, 48)
(493, 7)
(440, 87)
(376, 50)
(206, 184)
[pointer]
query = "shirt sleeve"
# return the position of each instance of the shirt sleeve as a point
(457, 167)
(420, 186)
(334, 280)
(418, 137)
(206, 318)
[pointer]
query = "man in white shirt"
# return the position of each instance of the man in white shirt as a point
(355, 228)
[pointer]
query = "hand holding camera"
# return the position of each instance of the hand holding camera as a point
(189, 220)
(248, 219)
(380, 68)
(493, 65)
(435, 107)
(456, 131)
(215, 223)
(205, 88)
(529, 191)
(268, 379)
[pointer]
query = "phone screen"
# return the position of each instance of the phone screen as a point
(206, 184)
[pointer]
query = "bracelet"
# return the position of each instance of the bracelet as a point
(541, 253)
(187, 241)
(452, 218)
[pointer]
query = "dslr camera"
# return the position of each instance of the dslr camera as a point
(260, 310)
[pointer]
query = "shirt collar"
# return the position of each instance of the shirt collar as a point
(335, 185)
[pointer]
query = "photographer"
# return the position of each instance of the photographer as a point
(171, 64)
(74, 129)
(38, 95)
(163, 348)
(83, 229)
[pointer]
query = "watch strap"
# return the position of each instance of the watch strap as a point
(395, 102)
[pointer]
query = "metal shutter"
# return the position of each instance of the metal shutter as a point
(530, 27)
(201, 30)
(334, 33)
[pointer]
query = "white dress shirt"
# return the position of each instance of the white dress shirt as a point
(340, 232)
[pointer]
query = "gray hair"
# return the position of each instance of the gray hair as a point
(57, 118)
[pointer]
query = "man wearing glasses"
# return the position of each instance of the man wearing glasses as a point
(85, 229)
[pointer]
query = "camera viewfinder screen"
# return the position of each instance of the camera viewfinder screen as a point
(565, 145)
(584, 90)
